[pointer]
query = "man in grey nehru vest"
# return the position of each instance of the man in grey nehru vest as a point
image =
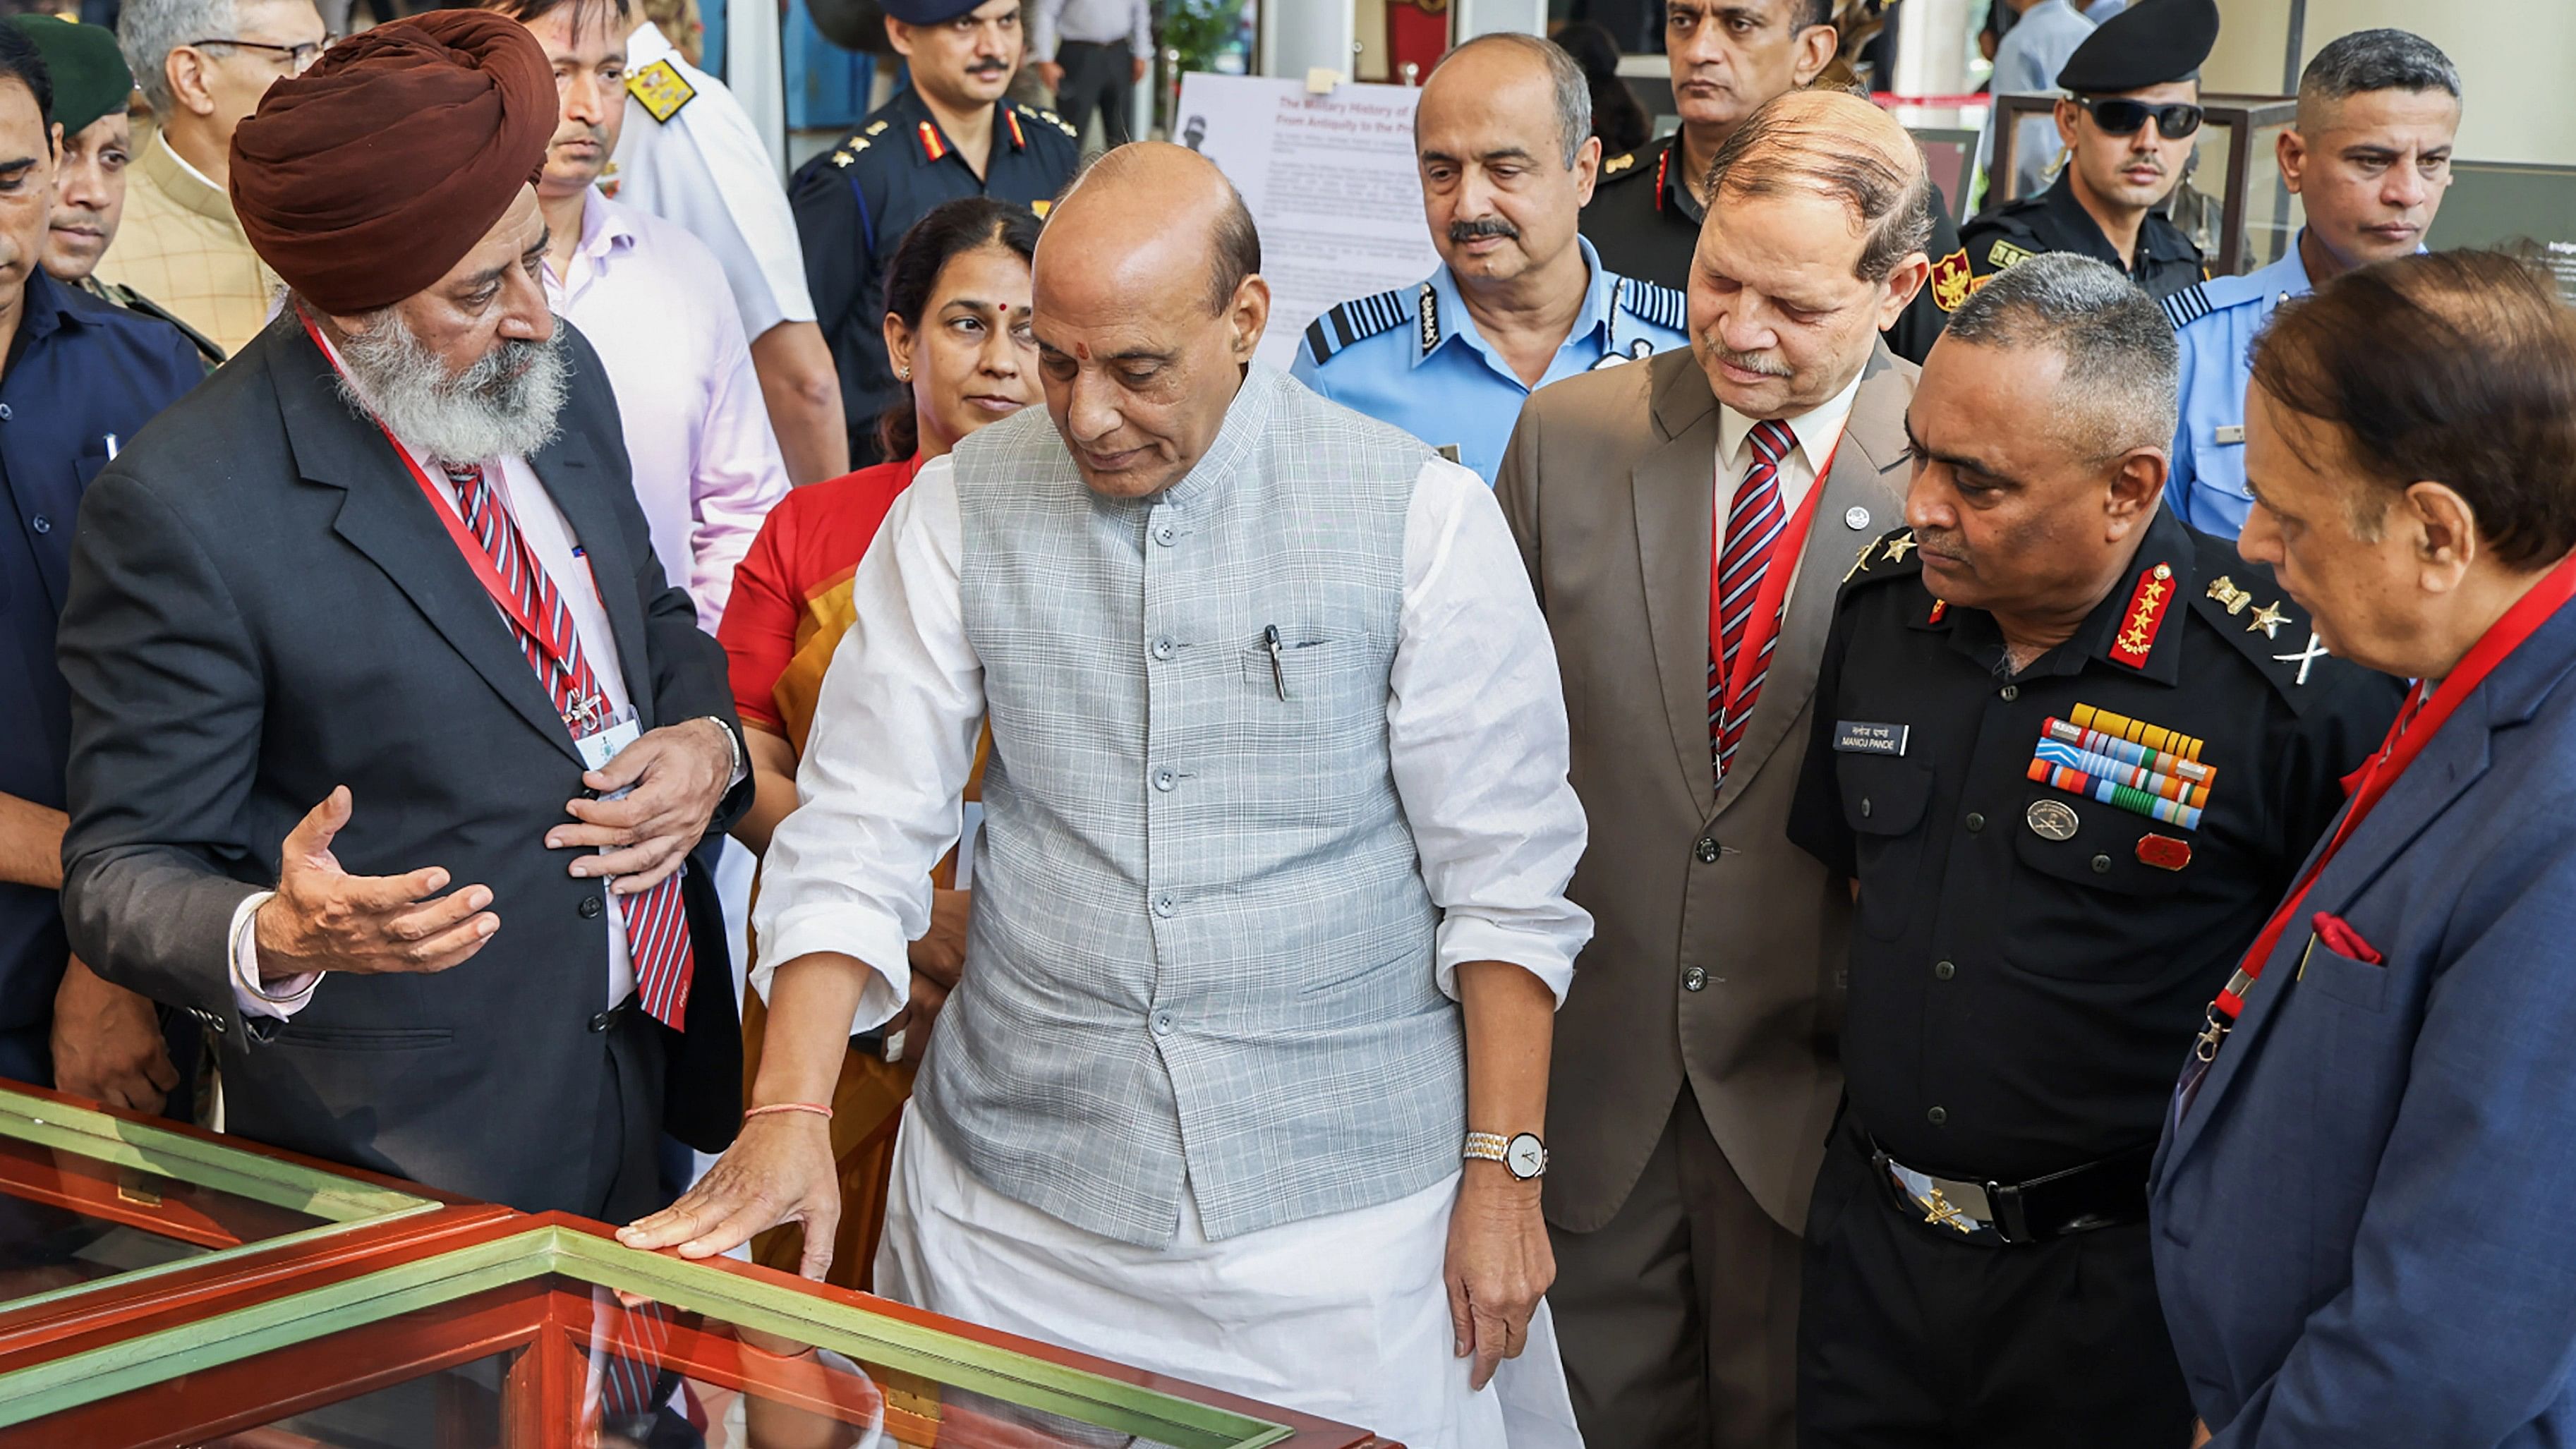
(1269, 924)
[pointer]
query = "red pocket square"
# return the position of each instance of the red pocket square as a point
(2343, 940)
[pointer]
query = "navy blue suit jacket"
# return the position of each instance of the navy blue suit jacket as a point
(2362, 1221)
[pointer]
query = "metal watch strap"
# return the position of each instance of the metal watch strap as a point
(1486, 1147)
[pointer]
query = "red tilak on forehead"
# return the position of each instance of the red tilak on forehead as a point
(1082, 350)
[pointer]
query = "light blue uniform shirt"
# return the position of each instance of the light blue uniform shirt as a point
(2028, 59)
(2215, 322)
(1413, 357)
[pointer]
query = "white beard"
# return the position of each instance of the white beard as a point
(505, 405)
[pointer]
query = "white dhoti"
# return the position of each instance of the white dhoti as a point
(1344, 1316)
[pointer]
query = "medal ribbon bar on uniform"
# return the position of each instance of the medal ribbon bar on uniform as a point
(2142, 768)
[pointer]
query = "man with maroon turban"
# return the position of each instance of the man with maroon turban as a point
(389, 737)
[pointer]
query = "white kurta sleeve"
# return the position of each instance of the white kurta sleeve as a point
(1477, 735)
(886, 763)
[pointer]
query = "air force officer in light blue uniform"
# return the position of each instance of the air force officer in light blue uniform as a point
(2370, 157)
(1504, 137)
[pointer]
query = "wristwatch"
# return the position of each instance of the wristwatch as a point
(1523, 1156)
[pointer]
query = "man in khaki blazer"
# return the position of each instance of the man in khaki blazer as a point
(1695, 1072)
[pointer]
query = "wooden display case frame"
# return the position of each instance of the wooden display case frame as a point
(402, 1283)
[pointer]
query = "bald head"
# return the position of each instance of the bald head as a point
(1831, 144)
(1514, 74)
(1158, 205)
(1140, 367)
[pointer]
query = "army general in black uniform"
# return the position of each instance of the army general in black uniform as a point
(950, 134)
(2132, 111)
(2071, 752)
(1728, 57)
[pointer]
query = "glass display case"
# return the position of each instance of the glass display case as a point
(92, 1200)
(2232, 200)
(177, 1288)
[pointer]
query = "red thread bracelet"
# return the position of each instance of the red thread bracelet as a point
(816, 1108)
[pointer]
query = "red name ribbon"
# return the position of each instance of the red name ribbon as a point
(477, 557)
(2414, 729)
(1777, 574)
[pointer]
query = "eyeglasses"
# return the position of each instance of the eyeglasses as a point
(2123, 118)
(298, 56)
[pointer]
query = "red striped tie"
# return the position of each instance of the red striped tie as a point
(1753, 525)
(657, 928)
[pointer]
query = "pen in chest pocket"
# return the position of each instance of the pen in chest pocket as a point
(1278, 669)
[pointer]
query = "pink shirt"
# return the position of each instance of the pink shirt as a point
(652, 300)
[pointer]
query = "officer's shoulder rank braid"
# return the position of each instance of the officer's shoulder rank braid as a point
(2185, 306)
(1659, 305)
(2249, 609)
(1353, 321)
(1050, 117)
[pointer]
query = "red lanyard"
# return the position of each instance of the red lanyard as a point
(1765, 623)
(2415, 727)
(477, 557)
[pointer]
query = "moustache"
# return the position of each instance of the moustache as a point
(987, 67)
(1749, 361)
(1467, 231)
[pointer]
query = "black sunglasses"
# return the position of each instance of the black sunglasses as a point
(2123, 118)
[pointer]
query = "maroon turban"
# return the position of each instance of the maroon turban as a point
(363, 180)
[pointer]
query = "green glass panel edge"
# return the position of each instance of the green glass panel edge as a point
(141, 1275)
(916, 1348)
(47, 1388)
(208, 1164)
(135, 1363)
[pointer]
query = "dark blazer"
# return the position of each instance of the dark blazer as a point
(264, 606)
(1606, 487)
(2360, 1222)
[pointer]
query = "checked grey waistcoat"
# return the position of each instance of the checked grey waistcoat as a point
(1201, 949)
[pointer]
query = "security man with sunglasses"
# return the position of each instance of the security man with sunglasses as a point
(2129, 119)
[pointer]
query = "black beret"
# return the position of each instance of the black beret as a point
(2148, 44)
(89, 74)
(927, 12)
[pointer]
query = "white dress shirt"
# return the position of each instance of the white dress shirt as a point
(1819, 430)
(706, 170)
(1476, 735)
(1093, 22)
(550, 538)
(706, 466)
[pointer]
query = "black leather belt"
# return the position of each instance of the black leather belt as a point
(2100, 1194)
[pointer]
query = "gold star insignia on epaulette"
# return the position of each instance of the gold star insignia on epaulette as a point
(2232, 598)
(1899, 546)
(876, 128)
(2268, 618)
(1619, 163)
(841, 158)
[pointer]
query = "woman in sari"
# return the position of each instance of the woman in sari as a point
(957, 329)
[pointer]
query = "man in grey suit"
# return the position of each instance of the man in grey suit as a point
(389, 560)
(1696, 1050)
